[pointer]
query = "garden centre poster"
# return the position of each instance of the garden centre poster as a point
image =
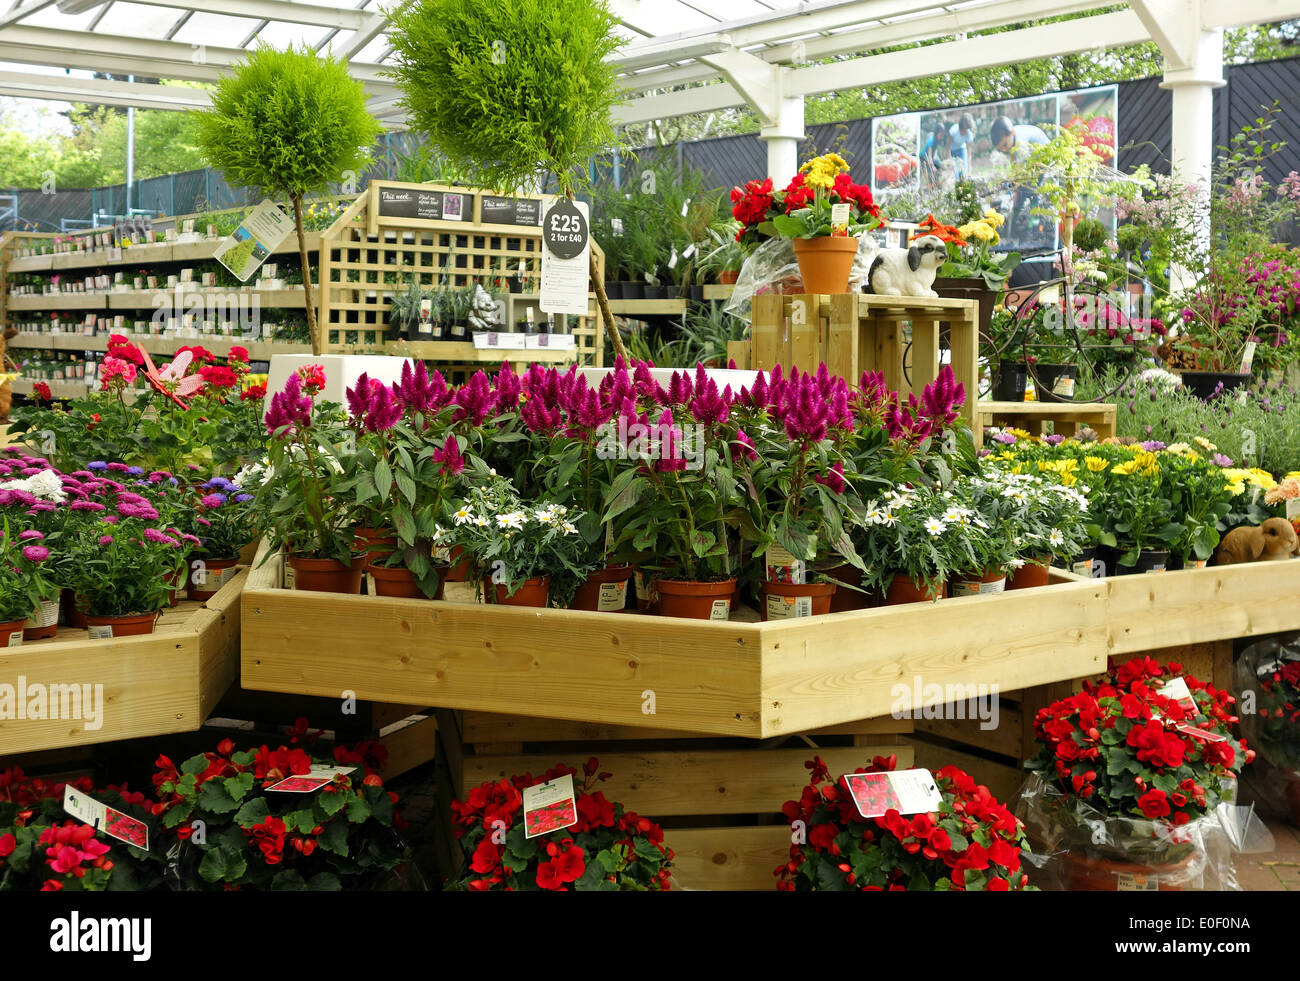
(916, 156)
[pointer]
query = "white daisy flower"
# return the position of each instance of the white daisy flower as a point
(513, 519)
(463, 516)
(570, 528)
(935, 527)
(1056, 538)
(1016, 563)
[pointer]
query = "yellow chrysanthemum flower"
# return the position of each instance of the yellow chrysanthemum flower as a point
(1069, 479)
(1261, 478)
(1126, 468)
(995, 218)
(1021, 433)
(1204, 444)
(1095, 464)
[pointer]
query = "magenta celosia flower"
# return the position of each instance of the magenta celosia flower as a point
(449, 458)
(420, 392)
(834, 479)
(507, 389)
(36, 553)
(671, 459)
(539, 417)
(474, 399)
(744, 446)
(679, 389)
(290, 409)
(709, 406)
(943, 397)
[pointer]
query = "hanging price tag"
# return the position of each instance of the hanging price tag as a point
(566, 269)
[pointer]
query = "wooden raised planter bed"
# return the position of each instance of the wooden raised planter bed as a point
(744, 679)
(167, 681)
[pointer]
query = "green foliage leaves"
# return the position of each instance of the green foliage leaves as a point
(508, 89)
(288, 122)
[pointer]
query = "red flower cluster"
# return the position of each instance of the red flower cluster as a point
(1130, 750)
(253, 392)
(971, 842)
(200, 354)
(219, 376)
(500, 856)
(750, 206)
(42, 392)
(122, 349)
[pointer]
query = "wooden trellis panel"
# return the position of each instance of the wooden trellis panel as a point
(366, 258)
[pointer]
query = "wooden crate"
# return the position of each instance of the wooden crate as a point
(857, 332)
(1067, 418)
(168, 681)
(719, 800)
(362, 247)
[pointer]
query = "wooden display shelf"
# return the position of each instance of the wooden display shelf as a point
(1067, 418)
(738, 678)
(464, 352)
(167, 681)
(142, 255)
(718, 291)
(648, 308)
(147, 299)
(218, 345)
(681, 781)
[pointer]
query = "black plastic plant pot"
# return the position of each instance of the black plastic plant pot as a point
(656, 292)
(613, 290)
(633, 290)
(1148, 561)
(1009, 384)
(1055, 382)
(515, 285)
(1206, 385)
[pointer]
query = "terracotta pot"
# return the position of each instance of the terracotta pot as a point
(728, 277)
(850, 599)
(327, 575)
(983, 583)
(785, 601)
(73, 611)
(400, 583)
(129, 626)
(825, 263)
(605, 590)
(11, 633)
(45, 624)
(1083, 873)
(695, 600)
(216, 573)
(1035, 572)
(903, 590)
(534, 592)
(376, 543)
(458, 566)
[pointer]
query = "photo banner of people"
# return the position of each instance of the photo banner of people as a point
(916, 156)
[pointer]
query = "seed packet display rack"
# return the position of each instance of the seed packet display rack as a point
(367, 257)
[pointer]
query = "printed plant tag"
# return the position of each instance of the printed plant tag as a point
(905, 791)
(1177, 690)
(300, 784)
(100, 632)
(840, 215)
(721, 610)
(975, 588)
(16, 638)
(1247, 357)
(788, 607)
(1129, 882)
(784, 567)
(549, 806)
(103, 818)
(288, 577)
(1293, 509)
(1064, 387)
(613, 596)
(252, 243)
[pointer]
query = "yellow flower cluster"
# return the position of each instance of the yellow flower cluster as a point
(984, 229)
(821, 171)
(1095, 464)
(1239, 477)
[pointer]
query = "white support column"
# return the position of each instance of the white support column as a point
(1192, 152)
(782, 141)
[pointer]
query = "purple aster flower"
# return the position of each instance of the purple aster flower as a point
(1152, 445)
(1054, 440)
(135, 471)
(36, 553)
(241, 498)
(1221, 461)
(156, 536)
(1005, 438)
(211, 501)
(86, 506)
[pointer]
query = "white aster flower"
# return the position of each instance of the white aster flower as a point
(512, 519)
(1056, 538)
(462, 516)
(935, 527)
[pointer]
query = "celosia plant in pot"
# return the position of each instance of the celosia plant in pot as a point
(675, 501)
(971, 843)
(606, 849)
(1125, 779)
(304, 502)
(330, 824)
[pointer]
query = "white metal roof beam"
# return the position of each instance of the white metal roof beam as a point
(98, 91)
(16, 14)
(1239, 13)
(347, 19)
(1045, 41)
(376, 26)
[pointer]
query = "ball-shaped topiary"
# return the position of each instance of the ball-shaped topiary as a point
(290, 122)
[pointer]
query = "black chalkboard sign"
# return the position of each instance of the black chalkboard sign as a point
(511, 211)
(410, 202)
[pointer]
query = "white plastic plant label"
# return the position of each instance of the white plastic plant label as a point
(1135, 882)
(976, 588)
(721, 610)
(788, 607)
(109, 820)
(1248, 357)
(613, 596)
(642, 586)
(566, 258)
(784, 567)
(288, 577)
(15, 638)
(549, 807)
(1293, 509)
(839, 215)
(1064, 387)
(1177, 690)
(904, 791)
(252, 243)
(370, 585)
(102, 631)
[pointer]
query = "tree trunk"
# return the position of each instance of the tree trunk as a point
(602, 301)
(313, 329)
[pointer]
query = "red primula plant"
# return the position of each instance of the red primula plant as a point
(607, 849)
(972, 842)
(1128, 750)
(242, 835)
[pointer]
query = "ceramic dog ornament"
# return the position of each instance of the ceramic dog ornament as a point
(910, 271)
